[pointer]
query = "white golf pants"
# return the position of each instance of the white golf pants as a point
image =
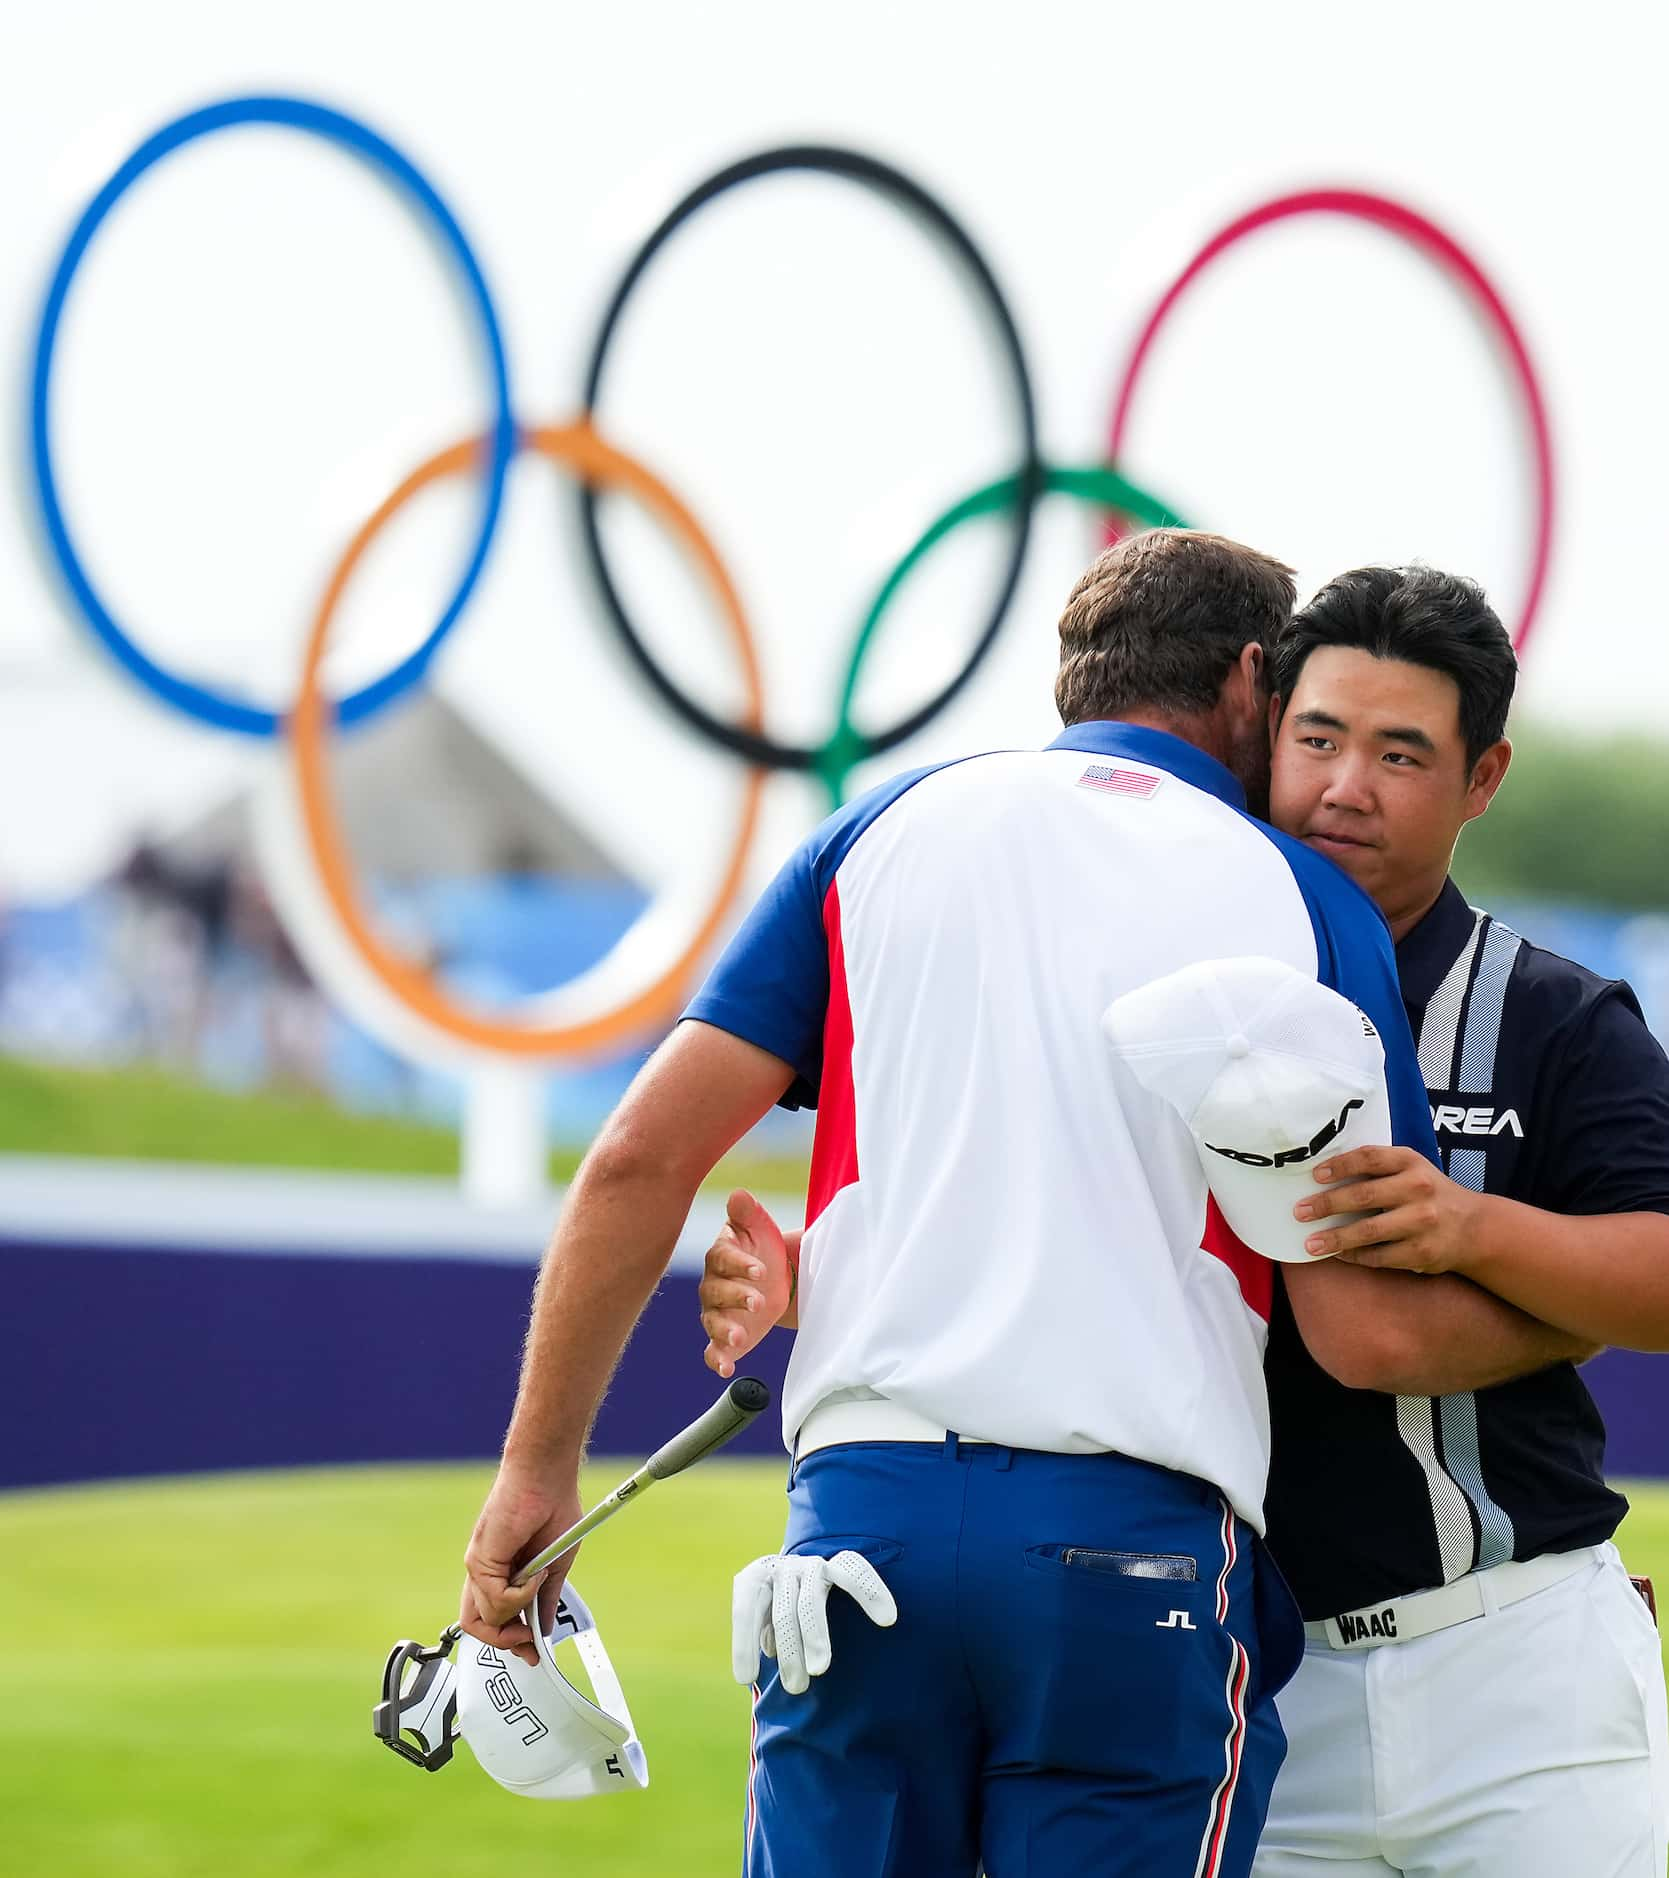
(1530, 1742)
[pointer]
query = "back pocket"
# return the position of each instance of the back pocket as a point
(879, 1552)
(1124, 1665)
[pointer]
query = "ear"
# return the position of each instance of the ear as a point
(1277, 710)
(1486, 778)
(1242, 693)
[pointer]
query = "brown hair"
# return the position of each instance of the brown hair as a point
(1158, 620)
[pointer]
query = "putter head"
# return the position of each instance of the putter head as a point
(419, 1699)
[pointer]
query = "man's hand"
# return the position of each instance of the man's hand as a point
(780, 1607)
(748, 1283)
(1421, 1221)
(521, 1517)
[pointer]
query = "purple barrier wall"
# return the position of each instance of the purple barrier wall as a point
(1633, 1395)
(123, 1361)
(119, 1362)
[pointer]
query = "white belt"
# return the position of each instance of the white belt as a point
(832, 1423)
(1399, 1620)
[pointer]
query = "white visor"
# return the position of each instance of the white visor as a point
(1271, 1071)
(532, 1730)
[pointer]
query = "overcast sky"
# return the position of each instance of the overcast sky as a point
(263, 342)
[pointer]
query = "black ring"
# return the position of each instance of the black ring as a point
(896, 187)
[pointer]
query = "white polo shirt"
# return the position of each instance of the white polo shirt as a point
(1003, 1235)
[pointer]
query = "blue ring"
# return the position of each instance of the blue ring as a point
(210, 707)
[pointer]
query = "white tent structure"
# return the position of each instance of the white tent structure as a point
(88, 770)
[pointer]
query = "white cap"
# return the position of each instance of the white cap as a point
(532, 1730)
(1271, 1070)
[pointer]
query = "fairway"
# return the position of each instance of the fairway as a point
(192, 1665)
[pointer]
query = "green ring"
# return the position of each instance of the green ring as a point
(1104, 487)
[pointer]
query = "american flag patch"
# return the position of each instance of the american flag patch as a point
(1140, 783)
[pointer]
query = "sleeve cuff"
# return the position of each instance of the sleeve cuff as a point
(725, 1014)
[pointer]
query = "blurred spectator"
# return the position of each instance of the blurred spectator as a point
(205, 962)
(295, 1020)
(168, 931)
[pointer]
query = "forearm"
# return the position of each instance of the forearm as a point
(1409, 1334)
(618, 1228)
(690, 1104)
(1464, 1339)
(1604, 1278)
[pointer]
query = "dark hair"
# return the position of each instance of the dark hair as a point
(1158, 621)
(1422, 617)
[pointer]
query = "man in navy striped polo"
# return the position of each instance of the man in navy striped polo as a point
(1482, 1693)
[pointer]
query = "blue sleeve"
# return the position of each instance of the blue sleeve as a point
(771, 985)
(1355, 956)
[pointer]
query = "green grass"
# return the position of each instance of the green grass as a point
(152, 1115)
(191, 1667)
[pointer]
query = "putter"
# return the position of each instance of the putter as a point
(417, 1694)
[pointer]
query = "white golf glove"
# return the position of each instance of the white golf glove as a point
(780, 1607)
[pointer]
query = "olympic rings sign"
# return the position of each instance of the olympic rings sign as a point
(640, 986)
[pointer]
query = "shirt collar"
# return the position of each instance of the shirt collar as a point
(1426, 951)
(1107, 737)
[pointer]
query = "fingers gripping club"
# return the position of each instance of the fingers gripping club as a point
(746, 1397)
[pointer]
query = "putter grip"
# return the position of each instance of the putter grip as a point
(745, 1398)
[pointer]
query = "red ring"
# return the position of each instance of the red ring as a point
(1409, 226)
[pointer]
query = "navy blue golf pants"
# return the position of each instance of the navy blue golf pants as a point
(1080, 1683)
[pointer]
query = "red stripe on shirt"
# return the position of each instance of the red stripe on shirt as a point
(1254, 1275)
(834, 1151)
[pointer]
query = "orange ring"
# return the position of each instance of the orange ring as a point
(578, 447)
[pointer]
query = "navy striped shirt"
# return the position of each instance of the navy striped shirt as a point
(1546, 1087)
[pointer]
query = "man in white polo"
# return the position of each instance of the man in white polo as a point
(1028, 1388)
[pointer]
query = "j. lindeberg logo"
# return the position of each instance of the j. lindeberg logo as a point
(1290, 1157)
